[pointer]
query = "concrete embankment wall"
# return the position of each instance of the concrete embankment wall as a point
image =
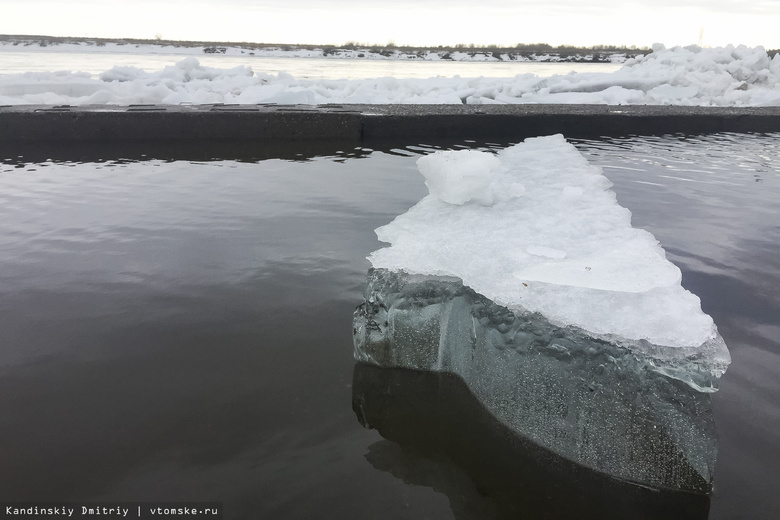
(361, 123)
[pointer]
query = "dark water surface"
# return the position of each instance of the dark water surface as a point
(714, 204)
(181, 330)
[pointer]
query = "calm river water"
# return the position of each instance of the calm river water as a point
(177, 326)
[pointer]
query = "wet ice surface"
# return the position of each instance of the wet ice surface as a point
(180, 330)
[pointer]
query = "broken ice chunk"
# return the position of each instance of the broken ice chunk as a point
(614, 281)
(588, 344)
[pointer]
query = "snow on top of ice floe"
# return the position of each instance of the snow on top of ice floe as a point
(562, 246)
(728, 76)
(461, 176)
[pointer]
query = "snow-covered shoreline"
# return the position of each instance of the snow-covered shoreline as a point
(725, 76)
(326, 52)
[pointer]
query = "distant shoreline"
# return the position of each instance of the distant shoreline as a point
(351, 50)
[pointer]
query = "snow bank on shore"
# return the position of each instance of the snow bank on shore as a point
(291, 51)
(725, 76)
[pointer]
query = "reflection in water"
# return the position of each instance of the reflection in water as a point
(426, 468)
(589, 401)
(21, 154)
(449, 441)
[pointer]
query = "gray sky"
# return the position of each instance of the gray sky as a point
(418, 22)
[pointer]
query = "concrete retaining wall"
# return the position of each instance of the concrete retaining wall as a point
(357, 123)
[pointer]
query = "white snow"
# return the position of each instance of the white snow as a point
(460, 177)
(727, 76)
(562, 246)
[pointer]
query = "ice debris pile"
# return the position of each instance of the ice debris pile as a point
(729, 76)
(520, 273)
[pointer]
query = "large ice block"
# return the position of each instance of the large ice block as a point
(569, 325)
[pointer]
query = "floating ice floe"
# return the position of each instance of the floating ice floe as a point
(521, 274)
(728, 76)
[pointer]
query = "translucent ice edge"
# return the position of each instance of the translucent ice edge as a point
(698, 367)
(586, 399)
(536, 229)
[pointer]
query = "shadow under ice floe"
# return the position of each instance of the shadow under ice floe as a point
(449, 442)
(604, 360)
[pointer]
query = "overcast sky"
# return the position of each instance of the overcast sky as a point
(413, 22)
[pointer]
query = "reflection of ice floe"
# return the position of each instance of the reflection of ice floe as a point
(524, 276)
(449, 442)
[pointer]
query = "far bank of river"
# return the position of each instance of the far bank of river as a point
(18, 60)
